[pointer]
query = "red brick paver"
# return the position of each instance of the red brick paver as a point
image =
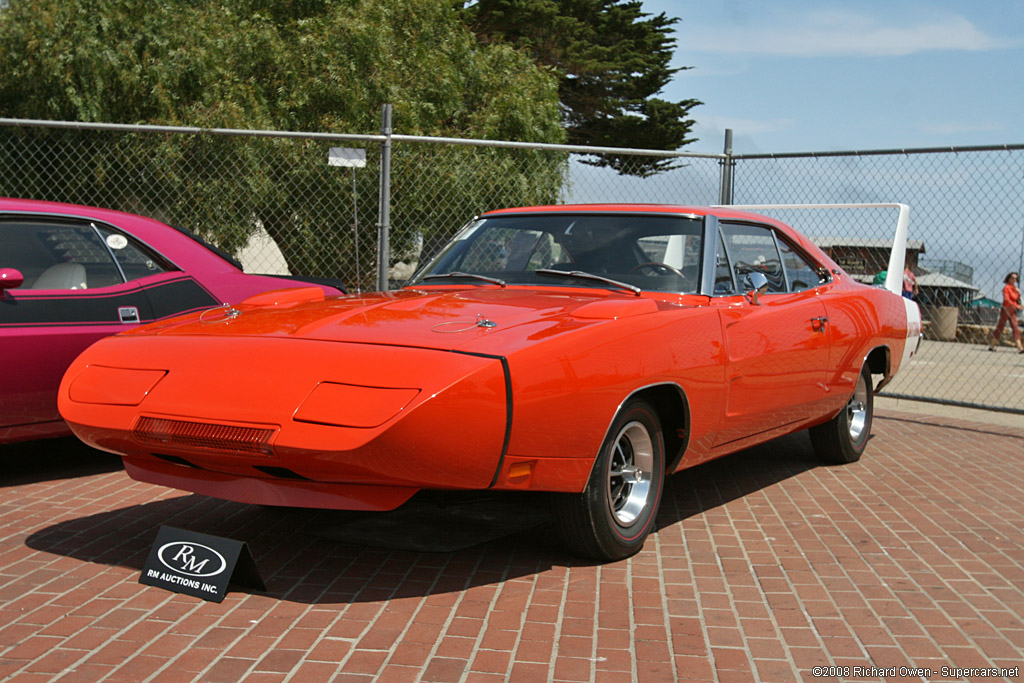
(765, 566)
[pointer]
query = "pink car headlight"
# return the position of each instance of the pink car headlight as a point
(104, 385)
(349, 405)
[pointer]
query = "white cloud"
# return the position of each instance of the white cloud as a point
(835, 33)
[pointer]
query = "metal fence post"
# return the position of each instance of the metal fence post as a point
(1020, 260)
(384, 246)
(725, 190)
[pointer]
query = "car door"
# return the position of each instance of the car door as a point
(777, 343)
(73, 293)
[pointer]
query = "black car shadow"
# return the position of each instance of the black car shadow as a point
(438, 542)
(711, 484)
(31, 462)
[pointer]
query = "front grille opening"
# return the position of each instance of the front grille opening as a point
(173, 459)
(280, 472)
(158, 431)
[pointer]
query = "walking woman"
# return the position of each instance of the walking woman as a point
(1008, 312)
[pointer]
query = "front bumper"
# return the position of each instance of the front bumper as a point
(255, 419)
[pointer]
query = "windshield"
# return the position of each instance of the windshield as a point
(652, 252)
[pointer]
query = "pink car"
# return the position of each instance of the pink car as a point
(70, 275)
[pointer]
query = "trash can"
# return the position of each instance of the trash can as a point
(944, 320)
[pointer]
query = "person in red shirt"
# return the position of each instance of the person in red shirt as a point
(1008, 312)
(909, 284)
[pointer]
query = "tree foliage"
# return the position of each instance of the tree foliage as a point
(612, 60)
(290, 65)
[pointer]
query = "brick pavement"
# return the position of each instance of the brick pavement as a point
(765, 566)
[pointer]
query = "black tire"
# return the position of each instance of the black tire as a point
(843, 438)
(616, 511)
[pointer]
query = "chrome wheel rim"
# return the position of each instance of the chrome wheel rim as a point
(857, 411)
(630, 473)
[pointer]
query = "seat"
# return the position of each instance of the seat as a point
(62, 276)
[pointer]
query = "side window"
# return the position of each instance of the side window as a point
(723, 272)
(135, 260)
(53, 255)
(750, 249)
(800, 272)
(73, 255)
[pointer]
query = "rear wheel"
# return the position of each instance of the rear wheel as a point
(616, 511)
(843, 438)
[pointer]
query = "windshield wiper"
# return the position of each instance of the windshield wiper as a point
(456, 273)
(589, 276)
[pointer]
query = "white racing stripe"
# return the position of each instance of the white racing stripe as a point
(913, 329)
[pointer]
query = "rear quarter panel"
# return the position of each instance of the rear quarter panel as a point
(861, 319)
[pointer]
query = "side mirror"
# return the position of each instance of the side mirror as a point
(758, 283)
(11, 278)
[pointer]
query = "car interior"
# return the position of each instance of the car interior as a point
(73, 255)
(659, 253)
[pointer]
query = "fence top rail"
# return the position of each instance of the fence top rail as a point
(579, 149)
(475, 142)
(472, 142)
(885, 152)
(187, 130)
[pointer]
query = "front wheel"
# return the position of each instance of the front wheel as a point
(843, 438)
(616, 511)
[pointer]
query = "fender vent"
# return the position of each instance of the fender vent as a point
(158, 431)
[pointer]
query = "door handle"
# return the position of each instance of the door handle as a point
(128, 314)
(818, 324)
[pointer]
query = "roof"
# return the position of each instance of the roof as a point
(944, 281)
(828, 242)
(937, 280)
(611, 208)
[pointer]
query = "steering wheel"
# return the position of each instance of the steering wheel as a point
(660, 268)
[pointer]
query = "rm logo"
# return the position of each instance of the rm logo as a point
(192, 559)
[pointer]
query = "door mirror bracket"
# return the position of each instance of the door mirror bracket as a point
(758, 284)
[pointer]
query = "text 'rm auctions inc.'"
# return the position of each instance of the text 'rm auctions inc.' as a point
(907, 671)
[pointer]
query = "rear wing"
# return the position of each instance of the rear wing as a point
(898, 256)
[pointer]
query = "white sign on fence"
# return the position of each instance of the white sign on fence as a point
(346, 156)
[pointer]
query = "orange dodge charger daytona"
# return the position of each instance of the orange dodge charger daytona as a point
(585, 350)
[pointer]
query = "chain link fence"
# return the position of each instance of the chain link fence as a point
(274, 200)
(966, 234)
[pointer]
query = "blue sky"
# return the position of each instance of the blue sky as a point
(804, 76)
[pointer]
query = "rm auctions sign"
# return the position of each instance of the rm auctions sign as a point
(199, 564)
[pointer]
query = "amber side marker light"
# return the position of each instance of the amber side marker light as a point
(520, 472)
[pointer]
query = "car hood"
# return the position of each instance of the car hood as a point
(478, 320)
